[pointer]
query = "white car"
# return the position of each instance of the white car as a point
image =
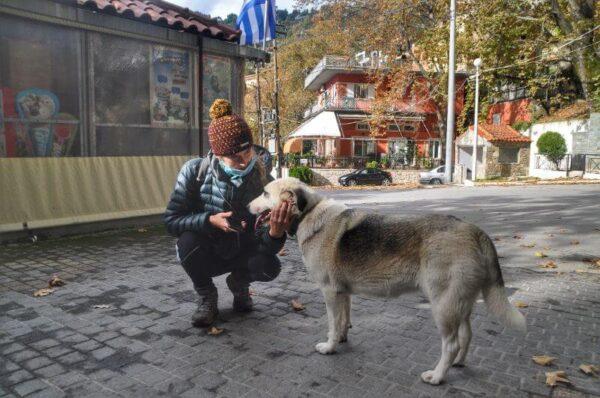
(434, 176)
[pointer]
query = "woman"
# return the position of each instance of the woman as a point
(208, 212)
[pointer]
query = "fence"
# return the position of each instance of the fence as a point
(586, 163)
(343, 162)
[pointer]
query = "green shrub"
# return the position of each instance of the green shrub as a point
(553, 146)
(303, 173)
(372, 165)
(521, 125)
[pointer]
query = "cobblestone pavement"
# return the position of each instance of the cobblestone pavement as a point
(142, 344)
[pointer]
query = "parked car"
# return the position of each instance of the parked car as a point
(434, 176)
(366, 177)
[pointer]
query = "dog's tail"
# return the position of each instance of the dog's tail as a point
(494, 294)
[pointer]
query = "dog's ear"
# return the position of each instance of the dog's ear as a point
(296, 197)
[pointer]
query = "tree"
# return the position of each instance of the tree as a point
(552, 145)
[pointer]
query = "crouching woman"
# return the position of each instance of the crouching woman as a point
(208, 213)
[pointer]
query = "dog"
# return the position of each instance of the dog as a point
(347, 252)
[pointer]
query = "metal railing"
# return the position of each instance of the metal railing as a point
(586, 163)
(356, 162)
(334, 62)
(543, 163)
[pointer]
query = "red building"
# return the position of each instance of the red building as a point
(338, 125)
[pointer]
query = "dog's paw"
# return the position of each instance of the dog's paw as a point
(431, 378)
(343, 338)
(325, 348)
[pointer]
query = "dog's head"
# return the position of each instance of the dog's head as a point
(299, 195)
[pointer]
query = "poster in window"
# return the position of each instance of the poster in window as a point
(216, 81)
(170, 86)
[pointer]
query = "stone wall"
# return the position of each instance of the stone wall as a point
(322, 177)
(494, 169)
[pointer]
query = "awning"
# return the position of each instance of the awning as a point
(293, 145)
(324, 125)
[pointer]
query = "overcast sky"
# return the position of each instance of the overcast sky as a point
(221, 8)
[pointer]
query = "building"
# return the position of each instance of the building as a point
(337, 127)
(501, 152)
(101, 102)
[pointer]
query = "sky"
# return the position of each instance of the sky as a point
(221, 8)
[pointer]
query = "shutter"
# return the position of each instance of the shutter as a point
(371, 94)
(349, 90)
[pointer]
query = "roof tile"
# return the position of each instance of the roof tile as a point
(500, 133)
(164, 13)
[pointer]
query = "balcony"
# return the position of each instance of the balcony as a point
(336, 104)
(331, 65)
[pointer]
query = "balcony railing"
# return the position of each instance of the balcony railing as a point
(334, 62)
(352, 104)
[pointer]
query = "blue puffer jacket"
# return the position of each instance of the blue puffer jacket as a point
(203, 189)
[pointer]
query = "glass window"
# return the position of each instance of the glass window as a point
(216, 82)
(496, 117)
(143, 98)
(393, 127)
(362, 126)
(308, 146)
(364, 147)
(358, 148)
(39, 89)
(434, 149)
(361, 91)
(508, 155)
(409, 127)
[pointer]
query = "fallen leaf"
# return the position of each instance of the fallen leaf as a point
(521, 304)
(556, 377)
(551, 235)
(574, 242)
(549, 264)
(297, 306)
(102, 306)
(529, 245)
(43, 292)
(497, 239)
(215, 331)
(563, 231)
(543, 360)
(540, 254)
(142, 230)
(55, 281)
(589, 369)
(517, 237)
(580, 271)
(283, 252)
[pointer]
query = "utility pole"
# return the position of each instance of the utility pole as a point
(258, 107)
(477, 64)
(451, 104)
(278, 148)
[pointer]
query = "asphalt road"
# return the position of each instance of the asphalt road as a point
(562, 221)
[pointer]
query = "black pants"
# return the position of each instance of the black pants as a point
(201, 263)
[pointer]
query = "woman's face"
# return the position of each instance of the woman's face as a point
(240, 160)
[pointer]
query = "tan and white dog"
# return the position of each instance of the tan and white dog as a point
(348, 252)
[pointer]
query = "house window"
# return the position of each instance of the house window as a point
(409, 127)
(496, 118)
(361, 91)
(362, 126)
(434, 149)
(508, 155)
(308, 146)
(393, 127)
(364, 147)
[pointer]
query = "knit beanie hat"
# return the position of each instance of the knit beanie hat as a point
(228, 133)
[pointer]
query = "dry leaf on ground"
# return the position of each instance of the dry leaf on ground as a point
(551, 235)
(215, 331)
(563, 231)
(574, 242)
(521, 304)
(543, 360)
(142, 230)
(102, 306)
(549, 264)
(540, 254)
(556, 377)
(55, 281)
(43, 292)
(589, 369)
(529, 245)
(283, 252)
(517, 237)
(497, 239)
(297, 306)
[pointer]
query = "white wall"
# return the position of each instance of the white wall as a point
(565, 128)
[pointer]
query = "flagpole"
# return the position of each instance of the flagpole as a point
(258, 106)
(276, 101)
(265, 22)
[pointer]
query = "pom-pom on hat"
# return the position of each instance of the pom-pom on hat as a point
(228, 133)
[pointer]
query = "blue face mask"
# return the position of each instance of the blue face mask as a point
(236, 176)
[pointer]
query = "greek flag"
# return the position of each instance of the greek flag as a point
(252, 21)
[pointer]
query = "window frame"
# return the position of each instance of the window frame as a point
(500, 157)
(358, 128)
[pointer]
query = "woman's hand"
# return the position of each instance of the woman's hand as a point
(219, 221)
(281, 218)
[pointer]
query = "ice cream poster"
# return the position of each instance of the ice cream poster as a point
(170, 87)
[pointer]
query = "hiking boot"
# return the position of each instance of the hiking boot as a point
(240, 287)
(207, 306)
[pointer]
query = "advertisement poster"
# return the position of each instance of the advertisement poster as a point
(216, 81)
(170, 87)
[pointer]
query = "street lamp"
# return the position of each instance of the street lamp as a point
(477, 64)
